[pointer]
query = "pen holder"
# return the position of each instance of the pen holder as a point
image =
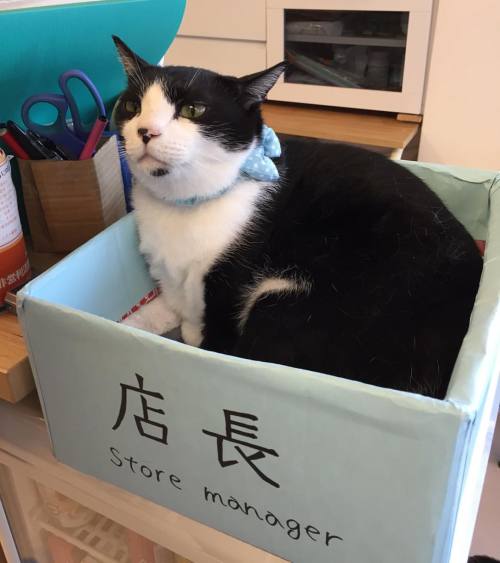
(69, 201)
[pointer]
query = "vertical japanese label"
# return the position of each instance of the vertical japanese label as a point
(10, 224)
(14, 264)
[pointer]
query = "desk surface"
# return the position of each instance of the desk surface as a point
(337, 125)
(16, 379)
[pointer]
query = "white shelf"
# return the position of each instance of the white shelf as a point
(101, 538)
(346, 40)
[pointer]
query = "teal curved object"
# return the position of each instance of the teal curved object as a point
(38, 44)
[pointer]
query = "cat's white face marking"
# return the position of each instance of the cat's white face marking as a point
(193, 164)
(173, 141)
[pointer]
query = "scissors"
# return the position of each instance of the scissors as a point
(71, 138)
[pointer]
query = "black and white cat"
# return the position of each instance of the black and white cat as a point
(347, 265)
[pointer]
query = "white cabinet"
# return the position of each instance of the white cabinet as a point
(227, 36)
(231, 57)
(367, 54)
(225, 19)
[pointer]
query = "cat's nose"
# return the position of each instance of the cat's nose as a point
(147, 134)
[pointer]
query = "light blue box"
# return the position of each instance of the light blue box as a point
(365, 474)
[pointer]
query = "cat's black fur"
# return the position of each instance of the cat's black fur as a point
(393, 275)
(232, 124)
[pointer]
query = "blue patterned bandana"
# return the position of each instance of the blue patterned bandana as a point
(258, 166)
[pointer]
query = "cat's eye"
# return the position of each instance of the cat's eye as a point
(132, 107)
(192, 111)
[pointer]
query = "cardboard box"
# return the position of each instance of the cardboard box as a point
(326, 469)
(68, 202)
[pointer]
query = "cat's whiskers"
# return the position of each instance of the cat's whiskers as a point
(141, 75)
(137, 79)
(193, 78)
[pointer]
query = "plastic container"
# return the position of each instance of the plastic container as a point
(331, 29)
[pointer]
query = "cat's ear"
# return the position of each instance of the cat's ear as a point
(255, 87)
(132, 63)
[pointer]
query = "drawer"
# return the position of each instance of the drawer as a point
(229, 19)
(245, 56)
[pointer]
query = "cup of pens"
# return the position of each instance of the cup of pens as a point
(71, 173)
(30, 144)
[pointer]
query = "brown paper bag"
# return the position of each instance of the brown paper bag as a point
(68, 202)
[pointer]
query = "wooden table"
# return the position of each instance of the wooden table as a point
(384, 132)
(16, 379)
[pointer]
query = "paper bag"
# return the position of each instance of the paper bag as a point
(68, 202)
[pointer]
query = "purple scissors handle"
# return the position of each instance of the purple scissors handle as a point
(58, 131)
(78, 127)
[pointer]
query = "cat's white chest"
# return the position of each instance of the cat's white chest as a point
(181, 244)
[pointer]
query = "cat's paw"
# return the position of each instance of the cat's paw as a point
(153, 317)
(191, 334)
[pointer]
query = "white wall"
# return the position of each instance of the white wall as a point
(462, 106)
